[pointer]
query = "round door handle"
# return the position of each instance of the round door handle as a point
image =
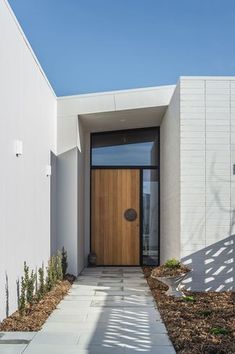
(130, 214)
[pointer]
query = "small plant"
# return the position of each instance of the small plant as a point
(219, 330)
(34, 284)
(172, 263)
(30, 288)
(7, 296)
(26, 273)
(59, 269)
(53, 270)
(64, 262)
(36, 281)
(189, 298)
(42, 288)
(29, 279)
(51, 273)
(205, 313)
(18, 292)
(22, 299)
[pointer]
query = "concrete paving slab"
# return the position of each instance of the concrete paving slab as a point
(71, 349)
(122, 303)
(122, 338)
(109, 282)
(123, 292)
(18, 335)
(105, 317)
(153, 350)
(79, 327)
(12, 349)
(72, 303)
(76, 297)
(56, 338)
(116, 287)
(79, 312)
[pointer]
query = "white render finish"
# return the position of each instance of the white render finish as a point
(170, 180)
(115, 100)
(67, 206)
(28, 114)
(69, 203)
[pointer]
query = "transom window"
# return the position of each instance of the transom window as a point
(137, 147)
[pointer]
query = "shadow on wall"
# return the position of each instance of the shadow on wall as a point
(212, 267)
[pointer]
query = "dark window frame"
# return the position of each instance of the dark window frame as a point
(141, 168)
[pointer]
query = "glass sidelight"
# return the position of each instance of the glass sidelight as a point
(150, 222)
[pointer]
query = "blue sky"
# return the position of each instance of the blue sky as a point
(100, 45)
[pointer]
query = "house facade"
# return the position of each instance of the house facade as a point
(134, 176)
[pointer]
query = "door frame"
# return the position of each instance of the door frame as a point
(140, 168)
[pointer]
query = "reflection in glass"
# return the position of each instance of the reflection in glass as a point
(150, 217)
(137, 147)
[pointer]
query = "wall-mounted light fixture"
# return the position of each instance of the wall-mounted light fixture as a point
(48, 170)
(18, 148)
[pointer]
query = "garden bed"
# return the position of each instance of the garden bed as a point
(202, 323)
(36, 314)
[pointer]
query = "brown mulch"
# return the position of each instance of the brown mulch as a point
(163, 271)
(189, 322)
(37, 314)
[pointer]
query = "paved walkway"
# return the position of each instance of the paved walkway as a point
(108, 310)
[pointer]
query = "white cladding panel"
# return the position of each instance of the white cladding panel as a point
(170, 180)
(207, 198)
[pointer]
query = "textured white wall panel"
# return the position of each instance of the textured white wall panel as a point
(207, 219)
(170, 180)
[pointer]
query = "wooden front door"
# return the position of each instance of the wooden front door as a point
(114, 238)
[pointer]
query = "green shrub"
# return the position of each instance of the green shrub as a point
(7, 296)
(49, 278)
(18, 292)
(172, 263)
(219, 330)
(36, 281)
(26, 274)
(34, 285)
(189, 298)
(22, 299)
(64, 262)
(51, 274)
(29, 280)
(41, 288)
(30, 288)
(59, 269)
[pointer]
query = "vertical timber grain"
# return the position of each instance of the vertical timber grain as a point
(114, 239)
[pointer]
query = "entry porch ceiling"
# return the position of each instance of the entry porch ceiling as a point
(118, 120)
(116, 110)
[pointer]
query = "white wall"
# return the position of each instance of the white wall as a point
(28, 113)
(67, 206)
(70, 196)
(207, 184)
(170, 181)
